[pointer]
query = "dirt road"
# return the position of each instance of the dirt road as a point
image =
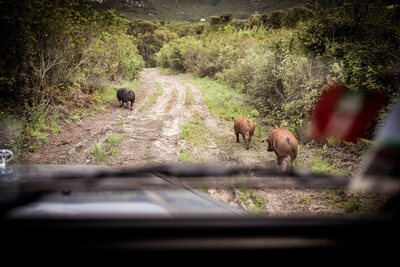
(151, 133)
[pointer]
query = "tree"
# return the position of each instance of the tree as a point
(49, 46)
(150, 37)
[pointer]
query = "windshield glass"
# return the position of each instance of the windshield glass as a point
(198, 108)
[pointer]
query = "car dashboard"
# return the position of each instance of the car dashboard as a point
(159, 215)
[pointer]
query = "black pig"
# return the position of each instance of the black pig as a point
(125, 95)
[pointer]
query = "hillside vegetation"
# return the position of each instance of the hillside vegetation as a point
(282, 61)
(192, 10)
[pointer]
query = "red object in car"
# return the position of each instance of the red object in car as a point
(344, 114)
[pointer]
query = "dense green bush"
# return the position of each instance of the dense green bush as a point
(183, 28)
(282, 83)
(57, 53)
(284, 66)
(170, 56)
(360, 40)
(205, 55)
(49, 47)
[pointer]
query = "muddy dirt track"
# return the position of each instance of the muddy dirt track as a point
(152, 135)
(151, 131)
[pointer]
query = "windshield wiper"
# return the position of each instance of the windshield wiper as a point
(189, 175)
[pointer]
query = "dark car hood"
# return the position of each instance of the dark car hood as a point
(167, 200)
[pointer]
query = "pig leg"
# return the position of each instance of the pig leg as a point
(292, 159)
(131, 104)
(120, 103)
(237, 137)
(281, 162)
(247, 143)
(245, 139)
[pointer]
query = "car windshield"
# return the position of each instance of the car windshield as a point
(165, 109)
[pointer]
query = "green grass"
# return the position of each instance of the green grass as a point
(114, 138)
(98, 153)
(227, 103)
(105, 94)
(224, 102)
(252, 200)
(112, 141)
(121, 125)
(338, 199)
(186, 156)
(113, 151)
(76, 116)
(319, 166)
(153, 98)
(197, 136)
(322, 166)
(53, 125)
(342, 202)
(351, 205)
(39, 121)
(195, 132)
(11, 133)
(101, 99)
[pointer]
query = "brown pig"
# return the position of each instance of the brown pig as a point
(284, 144)
(246, 128)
